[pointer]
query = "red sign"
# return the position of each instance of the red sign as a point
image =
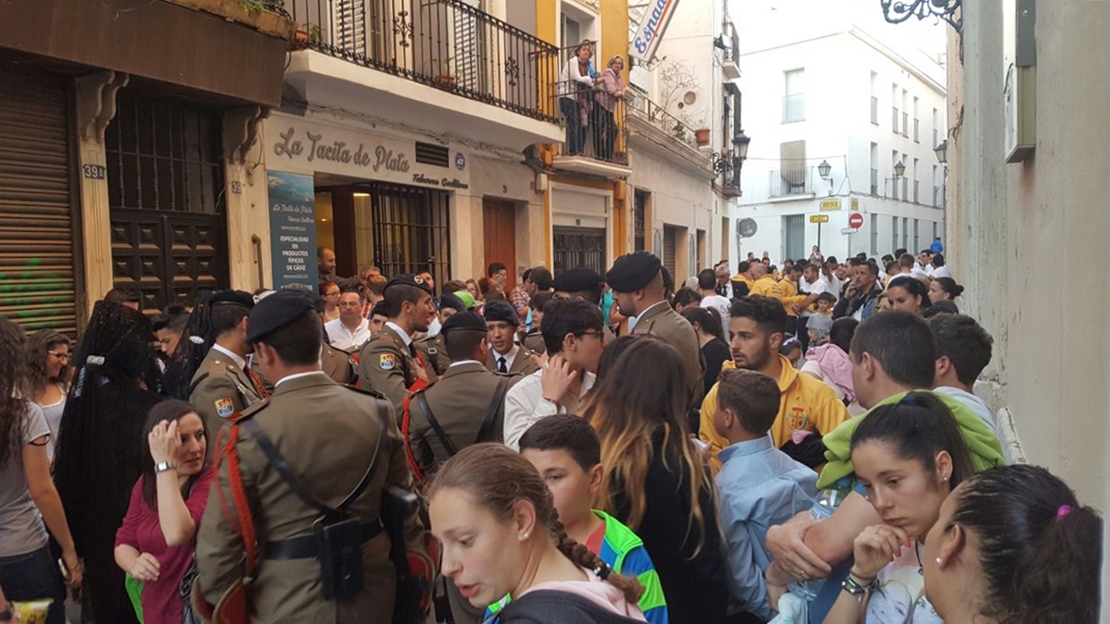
(855, 220)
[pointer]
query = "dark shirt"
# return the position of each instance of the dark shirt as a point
(696, 586)
(556, 607)
(716, 353)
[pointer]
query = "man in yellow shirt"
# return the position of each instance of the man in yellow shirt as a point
(744, 276)
(765, 284)
(808, 405)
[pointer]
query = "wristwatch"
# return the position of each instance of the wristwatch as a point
(859, 591)
(161, 467)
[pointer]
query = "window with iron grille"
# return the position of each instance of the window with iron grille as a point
(640, 238)
(164, 157)
(411, 230)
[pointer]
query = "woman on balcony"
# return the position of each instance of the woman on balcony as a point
(605, 128)
(575, 83)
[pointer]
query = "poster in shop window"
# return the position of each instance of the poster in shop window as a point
(292, 229)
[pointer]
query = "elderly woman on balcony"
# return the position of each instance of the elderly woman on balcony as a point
(605, 124)
(575, 83)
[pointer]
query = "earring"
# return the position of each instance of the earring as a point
(938, 562)
(526, 535)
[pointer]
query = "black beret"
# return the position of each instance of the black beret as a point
(449, 300)
(277, 311)
(577, 280)
(501, 311)
(463, 320)
(406, 279)
(232, 297)
(633, 271)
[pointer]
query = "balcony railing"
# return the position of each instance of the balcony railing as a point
(660, 118)
(446, 44)
(594, 119)
(794, 108)
(792, 181)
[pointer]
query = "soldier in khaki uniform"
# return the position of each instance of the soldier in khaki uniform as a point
(224, 383)
(505, 356)
(585, 284)
(637, 283)
(433, 346)
(327, 435)
(390, 363)
(459, 405)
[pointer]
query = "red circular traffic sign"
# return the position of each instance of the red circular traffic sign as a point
(855, 220)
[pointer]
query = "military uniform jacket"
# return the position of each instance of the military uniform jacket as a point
(327, 433)
(663, 322)
(220, 389)
(459, 402)
(522, 364)
(534, 342)
(387, 366)
(337, 365)
(434, 353)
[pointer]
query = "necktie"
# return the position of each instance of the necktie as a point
(501, 368)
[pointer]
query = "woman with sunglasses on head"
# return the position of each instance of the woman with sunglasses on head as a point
(48, 378)
(908, 457)
(1013, 545)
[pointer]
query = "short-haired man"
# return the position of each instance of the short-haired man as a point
(924, 266)
(223, 384)
(892, 353)
(505, 356)
(379, 314)
(707, 286)
(498, 275)
(351, 330)
(862, 297)
(808, 407)
(307, 412)
(742, 281)
(572, 331)
(534, 280)
(637, 283)
(325, 266)
(372, 292)
(963, 351)
(433, 345)
(389, 363)
(724, 287)
(810, 287)
(765, 284)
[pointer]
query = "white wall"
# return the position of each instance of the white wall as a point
(1051, 359)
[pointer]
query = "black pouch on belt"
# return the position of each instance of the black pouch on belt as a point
(339, 539)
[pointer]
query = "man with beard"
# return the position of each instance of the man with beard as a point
(861, 299)
(389, 363)
(809, 408)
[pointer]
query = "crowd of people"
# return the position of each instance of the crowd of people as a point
(793, 444)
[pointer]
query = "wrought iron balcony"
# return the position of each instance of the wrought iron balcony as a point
(445, 44)
(658, 116)
(594, 120)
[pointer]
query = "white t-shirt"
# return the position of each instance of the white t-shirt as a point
(721, 305)
(901, 598)
(941, 272)
(814, 288)
(344, 339)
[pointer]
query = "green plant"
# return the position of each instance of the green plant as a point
(252, 6)
(679, 131)
(314, 33)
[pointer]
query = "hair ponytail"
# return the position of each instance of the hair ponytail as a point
(1039, 549)
(585, 558)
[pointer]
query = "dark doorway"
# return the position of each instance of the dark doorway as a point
(576, 247)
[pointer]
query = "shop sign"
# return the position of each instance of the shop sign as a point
(313, 147)
(292, 229)
(832, 203)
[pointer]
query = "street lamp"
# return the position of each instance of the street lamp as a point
(824, 169)
(942, 152)
(899, 170)
(725, 163)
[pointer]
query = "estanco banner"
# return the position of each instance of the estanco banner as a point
(656, 18)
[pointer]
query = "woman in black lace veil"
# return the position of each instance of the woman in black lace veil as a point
(97, 462)
(197, 338)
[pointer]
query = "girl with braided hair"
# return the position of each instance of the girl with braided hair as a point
(500, 534)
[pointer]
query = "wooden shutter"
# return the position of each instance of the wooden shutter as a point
(38, 282)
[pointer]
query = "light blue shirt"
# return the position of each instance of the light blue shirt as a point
(760, 487)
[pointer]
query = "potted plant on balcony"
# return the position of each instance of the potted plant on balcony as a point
(306, 34)
(701, 135)
(440, 73)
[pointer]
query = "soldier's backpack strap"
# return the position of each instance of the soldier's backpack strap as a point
(278, 462)
(491, 411)
(440, 433)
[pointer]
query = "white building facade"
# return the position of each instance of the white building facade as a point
(683, 207)
(826, 96)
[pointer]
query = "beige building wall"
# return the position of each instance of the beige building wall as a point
(1029, 240)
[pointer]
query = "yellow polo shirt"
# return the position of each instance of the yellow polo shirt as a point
(807, 403)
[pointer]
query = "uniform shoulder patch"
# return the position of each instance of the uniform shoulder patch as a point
(387, 361)
(225, 407)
